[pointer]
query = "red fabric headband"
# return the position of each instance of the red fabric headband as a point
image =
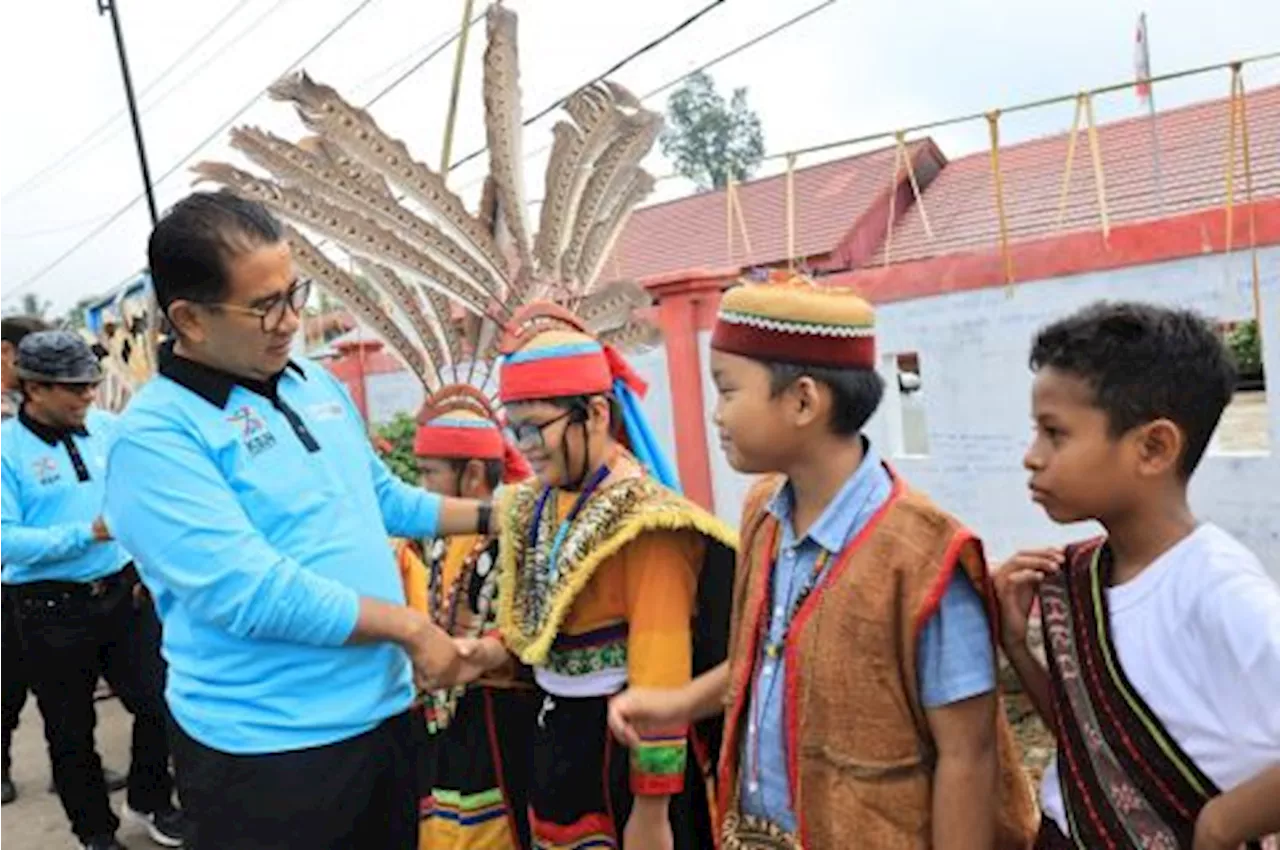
(585, 373)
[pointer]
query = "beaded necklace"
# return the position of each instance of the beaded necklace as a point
(546, 559)
(442, 704)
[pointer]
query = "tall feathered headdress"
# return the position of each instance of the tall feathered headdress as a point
(439, 284)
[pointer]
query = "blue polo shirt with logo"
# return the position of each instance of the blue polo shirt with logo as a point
(54, 485)
(258, 515)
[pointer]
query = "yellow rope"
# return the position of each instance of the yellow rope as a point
(893, 203)
(452, 115)
(1071, 156)
(1231, 156)
(915, 185)
(1238, 90)
(733, 214)
(993, 124)
(728, 220)
(1100, 183)
(791, 212)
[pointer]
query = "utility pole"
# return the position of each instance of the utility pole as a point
(108, 7)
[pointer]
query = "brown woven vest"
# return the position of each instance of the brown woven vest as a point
(859, 750)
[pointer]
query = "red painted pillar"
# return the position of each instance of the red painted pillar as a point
(686, 306)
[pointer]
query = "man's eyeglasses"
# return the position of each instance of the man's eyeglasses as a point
(272, 310)
(529, 436)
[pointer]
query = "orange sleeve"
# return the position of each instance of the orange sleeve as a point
(661, 579)
(413, 576)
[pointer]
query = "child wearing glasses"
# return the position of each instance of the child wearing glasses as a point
(607, 579)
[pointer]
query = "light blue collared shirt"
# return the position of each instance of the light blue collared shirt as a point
(54, 487)
(258, 518)
(956, 659)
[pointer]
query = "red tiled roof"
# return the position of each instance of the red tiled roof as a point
(690, 232)
(1193, 148)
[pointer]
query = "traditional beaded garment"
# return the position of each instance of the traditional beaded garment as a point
(464, 609)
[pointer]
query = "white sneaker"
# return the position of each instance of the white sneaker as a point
(164, 828)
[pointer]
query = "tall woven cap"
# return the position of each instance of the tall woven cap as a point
(790, 319)
(57, 357)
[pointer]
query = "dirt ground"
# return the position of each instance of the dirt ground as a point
(35, 821)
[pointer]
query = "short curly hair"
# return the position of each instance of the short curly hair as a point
(1144, 363)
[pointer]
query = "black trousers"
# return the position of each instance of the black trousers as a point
(14, 676)
(73, 634)
(361, 792)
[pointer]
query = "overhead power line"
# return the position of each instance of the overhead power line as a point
(614, 68)
(95, 138)
(734, 51)
(118, 214)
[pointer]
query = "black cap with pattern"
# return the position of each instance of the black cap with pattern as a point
(57, 357)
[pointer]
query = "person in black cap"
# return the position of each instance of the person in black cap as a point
(74, 591)
(14, 329)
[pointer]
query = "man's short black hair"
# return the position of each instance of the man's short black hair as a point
(1144, 363)
(191, 246)
(855, 393)
(493, 470)
(14, 329)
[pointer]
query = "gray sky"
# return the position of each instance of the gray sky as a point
(854, 68)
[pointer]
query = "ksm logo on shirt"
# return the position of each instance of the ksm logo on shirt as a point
(253, 431)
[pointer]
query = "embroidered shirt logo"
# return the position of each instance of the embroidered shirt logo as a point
(326, 410)
(255, 436)
(46, 470)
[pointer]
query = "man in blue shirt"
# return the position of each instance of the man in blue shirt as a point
(246, 487)
(13, 671)
(73, 591)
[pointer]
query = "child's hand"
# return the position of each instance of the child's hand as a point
(1016, 584)
(645, 708)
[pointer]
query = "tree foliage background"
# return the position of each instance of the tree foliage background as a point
(394, 442)
(711, 140)
(1246, 349)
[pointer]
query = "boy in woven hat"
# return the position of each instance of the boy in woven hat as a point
(860, 691)
(602, 570)
(475, 768)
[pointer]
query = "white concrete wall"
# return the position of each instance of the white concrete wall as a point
(652, 366)
(973, 350)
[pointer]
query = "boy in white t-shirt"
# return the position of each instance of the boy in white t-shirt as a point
(1162, 638)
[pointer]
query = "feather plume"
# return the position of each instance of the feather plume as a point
(605, 233)
(612, 307)
(610, 176)
(356, 234)
(503, 129)
(295, 167)
(323, 111)
(577, 145)
(421, 253)
(446, 327)
(402, 295)
(333, 157)
(361, 302)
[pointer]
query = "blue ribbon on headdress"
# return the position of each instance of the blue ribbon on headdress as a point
(644, 442)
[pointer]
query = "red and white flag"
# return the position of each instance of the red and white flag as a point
(1142, 60)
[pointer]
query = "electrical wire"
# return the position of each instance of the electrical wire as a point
(118, 214)
(91, 141)
(617, 66)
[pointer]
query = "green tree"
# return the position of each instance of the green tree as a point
(34, 305)
(394, 442)
(712, 141)
(1246, 348)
